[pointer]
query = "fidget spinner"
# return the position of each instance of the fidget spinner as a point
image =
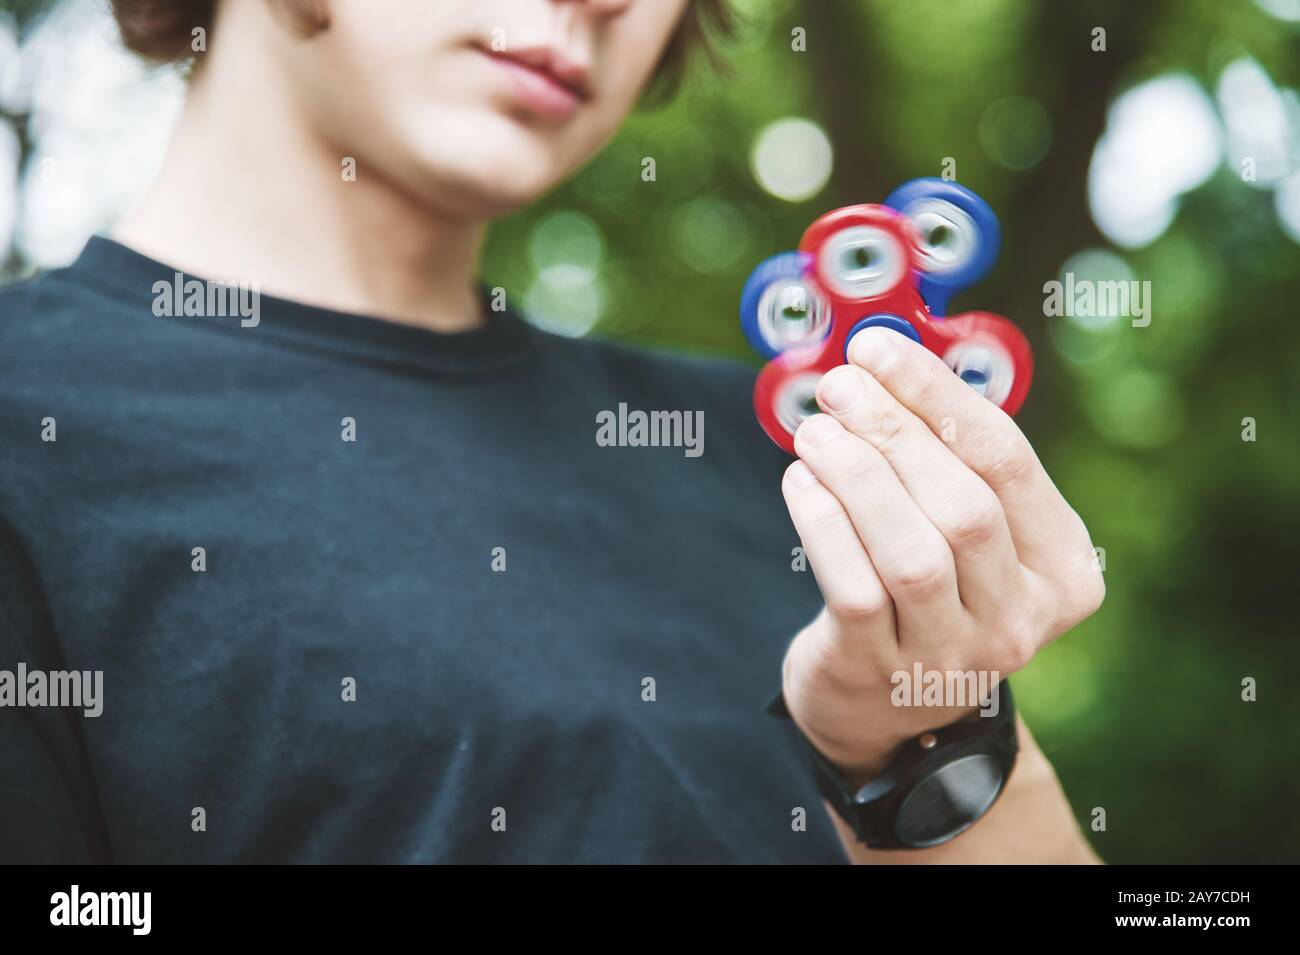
(896, 266)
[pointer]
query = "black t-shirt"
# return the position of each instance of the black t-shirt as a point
(433, 617)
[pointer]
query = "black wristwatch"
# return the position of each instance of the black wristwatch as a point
(937, 786)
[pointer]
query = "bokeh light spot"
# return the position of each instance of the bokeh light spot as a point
(792, 159)
(564, 299)
(1016, 132)
(1288, 10)
(710, 235)
(1286, 203)
(1135, 408)
(566, 238)
(1256, 120)
(1162, 139)
(1096, 266)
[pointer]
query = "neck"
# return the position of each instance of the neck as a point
(249, 192)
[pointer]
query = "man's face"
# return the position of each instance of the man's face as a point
(475, 106)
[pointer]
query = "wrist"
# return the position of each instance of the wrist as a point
(893, 796)
(856, 726)
(864, 759)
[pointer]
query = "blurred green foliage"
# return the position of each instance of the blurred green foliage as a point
(1141, 707)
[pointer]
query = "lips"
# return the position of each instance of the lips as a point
(545, 81)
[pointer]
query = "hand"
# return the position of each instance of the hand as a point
(956, 552)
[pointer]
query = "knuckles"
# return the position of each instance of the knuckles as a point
(886, 426)
(975, 523)
(1081, 589)
(1094, 593)
(1017, 637)
(1003, 457)
(1014, 649)
(867, 602)
(1081, 597)
(926, 573)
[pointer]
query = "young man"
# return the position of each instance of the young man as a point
(351, 578)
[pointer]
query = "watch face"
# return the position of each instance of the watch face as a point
(948, 800)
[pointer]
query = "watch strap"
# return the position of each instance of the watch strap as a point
(870, 810)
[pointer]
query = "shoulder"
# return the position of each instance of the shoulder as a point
(71, 348)
(49, 316)
(35, 314)
(62, 323)
(20, 302)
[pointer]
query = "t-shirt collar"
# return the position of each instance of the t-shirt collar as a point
(502, 341)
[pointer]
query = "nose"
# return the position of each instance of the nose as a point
(579, 20)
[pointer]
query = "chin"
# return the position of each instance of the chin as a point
(495, 166)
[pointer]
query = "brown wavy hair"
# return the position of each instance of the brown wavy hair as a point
(162, 30)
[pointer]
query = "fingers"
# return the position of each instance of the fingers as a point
(849, 584)
(986, 440)
(910, 556)
(954, 499)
